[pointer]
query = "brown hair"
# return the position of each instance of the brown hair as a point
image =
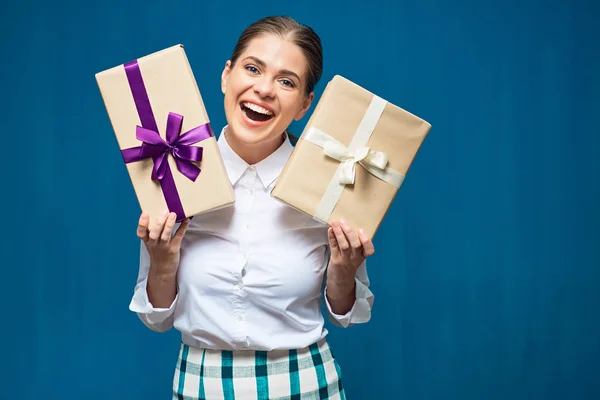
(301, 35)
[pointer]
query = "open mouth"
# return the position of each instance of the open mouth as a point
(255, 112)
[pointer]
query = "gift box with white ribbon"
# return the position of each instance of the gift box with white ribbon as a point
(351, 158)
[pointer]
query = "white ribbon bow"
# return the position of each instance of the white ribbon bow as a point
(364, 156)
(375, 162)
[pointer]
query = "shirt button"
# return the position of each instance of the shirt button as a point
(250, 191)
(240, 284)
(238, 318)
(251, 169)
(247, 226)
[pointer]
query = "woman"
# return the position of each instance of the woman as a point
(244, 284)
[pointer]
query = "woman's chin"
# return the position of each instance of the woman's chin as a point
(246, 135)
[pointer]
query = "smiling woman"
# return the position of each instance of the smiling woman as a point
(244, 284)
(268, 83)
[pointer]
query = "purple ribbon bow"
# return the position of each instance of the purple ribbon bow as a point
(155, 147)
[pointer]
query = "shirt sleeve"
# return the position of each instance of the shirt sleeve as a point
(157, 319)
(363, 303)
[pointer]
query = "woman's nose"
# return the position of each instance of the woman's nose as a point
(264, 87)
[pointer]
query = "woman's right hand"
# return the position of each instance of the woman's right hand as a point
(164, 248)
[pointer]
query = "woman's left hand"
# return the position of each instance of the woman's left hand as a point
(349, 248)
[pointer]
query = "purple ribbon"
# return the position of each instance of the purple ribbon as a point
(155, 147)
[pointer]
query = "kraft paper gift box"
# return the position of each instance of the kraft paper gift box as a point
(164, 134)
(351, 158)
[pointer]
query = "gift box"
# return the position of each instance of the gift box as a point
(164, 134)
(351, 158)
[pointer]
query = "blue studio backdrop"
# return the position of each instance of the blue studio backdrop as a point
(487, 267)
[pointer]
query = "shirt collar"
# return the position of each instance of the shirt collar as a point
(268, 169)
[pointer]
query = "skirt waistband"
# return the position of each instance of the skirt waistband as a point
(273, 355)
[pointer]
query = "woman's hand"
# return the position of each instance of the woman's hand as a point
(349, 248)
(348, 251)
(163, 248)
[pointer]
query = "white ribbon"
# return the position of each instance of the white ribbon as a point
(375, 162)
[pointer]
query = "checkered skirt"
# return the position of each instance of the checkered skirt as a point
(305, 374)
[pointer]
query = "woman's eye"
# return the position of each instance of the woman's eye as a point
(287, 82)
(252, 69)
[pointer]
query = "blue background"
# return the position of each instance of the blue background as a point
(487, 270)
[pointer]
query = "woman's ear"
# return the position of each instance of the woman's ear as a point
(225, 76)
(305, 106)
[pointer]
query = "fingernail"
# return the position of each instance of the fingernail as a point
(165, 211)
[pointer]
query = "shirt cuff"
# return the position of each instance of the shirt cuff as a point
(153, 317)
(360, 311)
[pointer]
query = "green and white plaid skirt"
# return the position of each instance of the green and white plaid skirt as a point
(305, 374)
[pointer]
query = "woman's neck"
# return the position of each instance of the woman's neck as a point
(254, 153)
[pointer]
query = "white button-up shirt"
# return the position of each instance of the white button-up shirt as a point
(251, 275)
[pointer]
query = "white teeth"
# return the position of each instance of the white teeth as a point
(256, 108)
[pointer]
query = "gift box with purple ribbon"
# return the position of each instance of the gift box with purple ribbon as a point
(164, 134)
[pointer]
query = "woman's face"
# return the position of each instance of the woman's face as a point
(264, 90)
